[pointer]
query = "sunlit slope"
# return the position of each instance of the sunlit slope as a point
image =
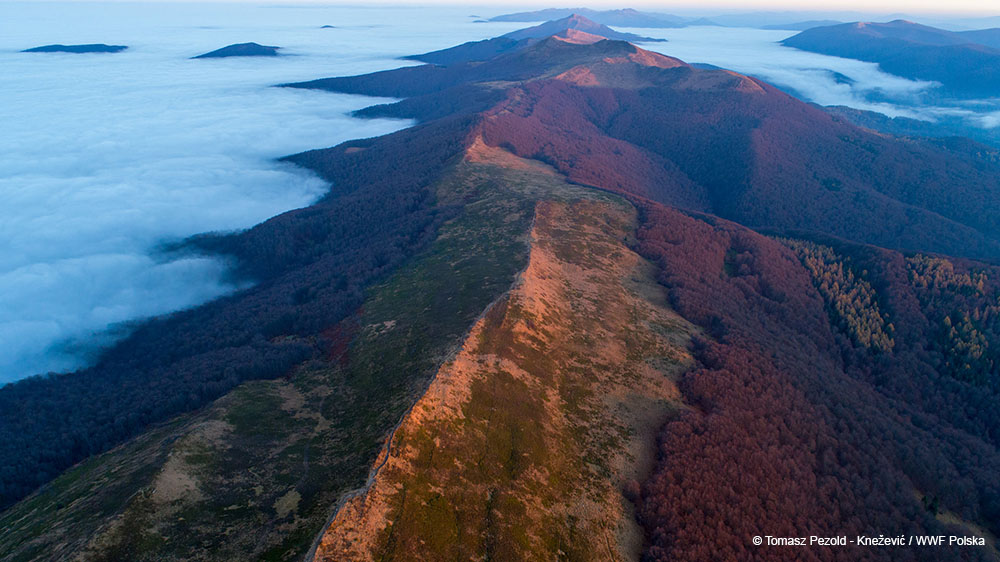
(522, 445)
(257, 474)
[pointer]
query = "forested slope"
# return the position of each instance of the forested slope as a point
(612, 115)
(817, 409)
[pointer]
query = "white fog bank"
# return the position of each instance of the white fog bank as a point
(103, 157)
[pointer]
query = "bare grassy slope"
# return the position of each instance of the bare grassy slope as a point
(523, 443)
(255, 475)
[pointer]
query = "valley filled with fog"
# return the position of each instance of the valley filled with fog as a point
(105, 158)
(821, 79)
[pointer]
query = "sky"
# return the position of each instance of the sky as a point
(957, 7)
(939, 6)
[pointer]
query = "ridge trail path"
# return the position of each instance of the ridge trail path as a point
(387, 450)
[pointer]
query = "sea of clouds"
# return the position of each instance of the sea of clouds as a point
(104, 158)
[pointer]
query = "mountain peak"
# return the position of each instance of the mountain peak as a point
(577, 37)
(576, 22)
(574, 28)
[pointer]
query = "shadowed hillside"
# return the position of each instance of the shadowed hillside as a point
(816, 408)
(964, 67)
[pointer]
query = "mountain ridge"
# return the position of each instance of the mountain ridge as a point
(624, 17)
(542, 71)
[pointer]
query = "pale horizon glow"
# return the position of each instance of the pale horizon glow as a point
(956, 8)
(960, 8)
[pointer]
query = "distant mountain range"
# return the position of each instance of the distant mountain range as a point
(571, 28)
(634, 18)
(623, 18)
(966, 64)
(773, 20)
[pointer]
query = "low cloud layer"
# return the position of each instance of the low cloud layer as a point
(821, 79)
(105, 157)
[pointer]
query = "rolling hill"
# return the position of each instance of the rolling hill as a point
(988, 37)
(624, 17)
(241, 50)
(78, 49)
